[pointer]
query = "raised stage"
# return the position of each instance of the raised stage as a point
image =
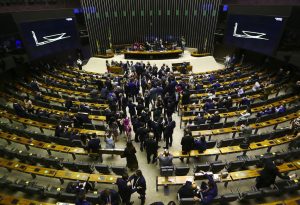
(200, 64)
(152, 55)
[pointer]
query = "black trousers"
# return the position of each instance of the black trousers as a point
(169, 141)
(125, 198)
(149, 154)
(142, 197)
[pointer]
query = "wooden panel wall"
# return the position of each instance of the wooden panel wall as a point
(127, 21)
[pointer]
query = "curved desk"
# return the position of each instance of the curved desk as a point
(149, 55)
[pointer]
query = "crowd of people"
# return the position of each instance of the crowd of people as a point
(151, 95)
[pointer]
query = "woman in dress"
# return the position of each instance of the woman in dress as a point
(127, 128)
(129, 154)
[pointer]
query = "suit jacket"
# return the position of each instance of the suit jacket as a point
(139, 183)
(113, 198)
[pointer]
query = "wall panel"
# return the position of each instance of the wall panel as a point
(127, 21)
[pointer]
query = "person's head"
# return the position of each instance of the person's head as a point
(125, 176)
(106, 192)
(188, 183)
(166, 152)
(194, 186)
(138, 173)
(94, 135)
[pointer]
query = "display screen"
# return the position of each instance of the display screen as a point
(257, 33)
(42, 38)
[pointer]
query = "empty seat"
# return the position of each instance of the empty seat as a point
(226, 198)
(182, 170)
(85, 167)
(235, 165)
(210, 144)
(217, 167)
(53, 162)
(70, 165)
(64, 196)
(252, 194)
(237, 141)
(267, 191)
(4, 181)
(34, 189)
(77, 143)
(166, 171)
(204, 127)
(119, 170)
(201, 167)
(225, 142)
(218, 125)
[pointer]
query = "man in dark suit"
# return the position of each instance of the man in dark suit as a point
(94, 145)
(186, 191)
(168, 132)
(187, 143)
(139, 185)
(142, 133)
(151, 148)
(125, 191)
(109, 197)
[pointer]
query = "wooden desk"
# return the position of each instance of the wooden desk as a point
(106, 179)
(254, 126)
(274, 203)
(294, 201)
(46, 172)
(62, 90)
(253, 110)
(59, 174)
(245, 174)
(232, 176)
(55, 147)
(60, 100)
(172, 180)
(59, 112)
(297, 163)
(248, 174)
(231, 149)
(207, 152)
(69, 175)
(12, 200)
(234, 149)
(263, 144)
(167, 54)
(41, 125)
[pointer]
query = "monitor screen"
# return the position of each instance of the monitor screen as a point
(256, 33)
(46, 37)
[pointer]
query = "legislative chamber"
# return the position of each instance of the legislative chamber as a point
(178, 102)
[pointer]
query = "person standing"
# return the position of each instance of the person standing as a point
(124, 190)
(151, 147)
(268, 175)
(129, 154)
(139, 185)
(168, 132)
(142, 133)
(109, 197)
(187, 143)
